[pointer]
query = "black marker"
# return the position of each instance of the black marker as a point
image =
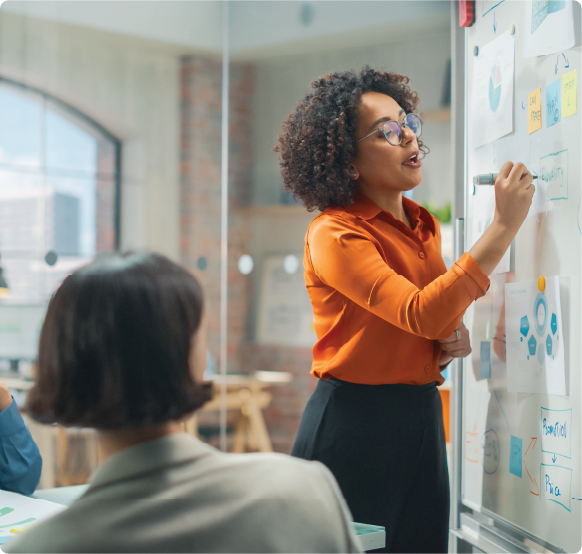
(488, 179)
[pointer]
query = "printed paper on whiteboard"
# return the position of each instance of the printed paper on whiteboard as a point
(548, 27)
(493, 74)
(535, 342)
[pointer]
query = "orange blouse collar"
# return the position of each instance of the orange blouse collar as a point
(366, 209)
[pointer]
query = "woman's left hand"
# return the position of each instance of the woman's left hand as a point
(458, 345)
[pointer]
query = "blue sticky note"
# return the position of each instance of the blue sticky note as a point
(553, 103)
(485, 360)
(515, 456)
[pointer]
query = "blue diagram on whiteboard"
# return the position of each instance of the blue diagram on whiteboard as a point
(540, 320)
(536, 345)
(535, 349)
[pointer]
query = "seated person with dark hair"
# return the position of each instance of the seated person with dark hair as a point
(20, 461)
(123, 350)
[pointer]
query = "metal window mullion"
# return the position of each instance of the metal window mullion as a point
(224, 227)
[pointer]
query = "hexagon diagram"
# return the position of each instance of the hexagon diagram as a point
(531, 344)
(549, 345)
(553, 324)
(541, 355)
(524, 326)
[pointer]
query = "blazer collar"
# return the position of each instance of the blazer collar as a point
(366, 209)
(147, 457)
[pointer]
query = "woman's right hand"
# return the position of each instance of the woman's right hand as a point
(514, 191)
(513, 194)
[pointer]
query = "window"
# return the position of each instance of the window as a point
(59, 191)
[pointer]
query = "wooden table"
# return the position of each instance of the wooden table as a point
(245, 394)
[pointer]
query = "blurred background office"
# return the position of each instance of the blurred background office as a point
(112, 136)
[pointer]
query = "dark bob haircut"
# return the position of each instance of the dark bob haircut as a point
(115, 344)
(318, 138)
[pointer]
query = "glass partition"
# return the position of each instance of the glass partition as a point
(276, 50)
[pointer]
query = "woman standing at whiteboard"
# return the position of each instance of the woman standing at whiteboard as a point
(387, 312)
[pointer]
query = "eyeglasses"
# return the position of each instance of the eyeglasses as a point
(393, 129)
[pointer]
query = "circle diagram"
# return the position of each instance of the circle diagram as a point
(495, 87)
(540, 315)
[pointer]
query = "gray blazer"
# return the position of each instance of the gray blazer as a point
(177, 494)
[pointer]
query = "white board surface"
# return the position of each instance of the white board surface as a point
(521, 451)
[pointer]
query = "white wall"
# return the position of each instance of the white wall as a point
(283, 80)
(132, 88)
(196, 24)
(259, 27)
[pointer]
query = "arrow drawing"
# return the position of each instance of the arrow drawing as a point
(533, 441)
(554, 458)
(566, 63)
(534, 482)
(522, 106)
(494, 23)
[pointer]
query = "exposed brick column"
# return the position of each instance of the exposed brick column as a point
(105, 197)
(201, 187)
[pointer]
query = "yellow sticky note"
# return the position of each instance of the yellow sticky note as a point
(569, 93)
(534, 111)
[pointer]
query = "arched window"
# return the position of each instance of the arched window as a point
(59, 191)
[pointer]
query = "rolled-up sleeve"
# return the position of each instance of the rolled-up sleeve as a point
(345, 258)
(20, 460)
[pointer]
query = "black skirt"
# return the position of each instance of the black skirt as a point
(385, 444)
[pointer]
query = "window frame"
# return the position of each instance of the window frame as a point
(68, 108)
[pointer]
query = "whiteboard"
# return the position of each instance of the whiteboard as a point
(549, 243)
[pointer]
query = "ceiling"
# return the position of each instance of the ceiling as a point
(256, 28)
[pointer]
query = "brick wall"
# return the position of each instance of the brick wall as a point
(200, 233)
(105, 197)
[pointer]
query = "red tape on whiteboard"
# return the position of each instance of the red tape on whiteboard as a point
(466, 13)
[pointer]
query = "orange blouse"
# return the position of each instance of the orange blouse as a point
(382, 295)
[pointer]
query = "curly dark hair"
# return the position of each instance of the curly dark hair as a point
(318, 138)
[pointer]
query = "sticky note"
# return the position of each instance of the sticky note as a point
(534, 111)
(553, 103)
(569, 93)
(515, 456)
(485, 360)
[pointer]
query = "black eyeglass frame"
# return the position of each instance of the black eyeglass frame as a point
(401, 124)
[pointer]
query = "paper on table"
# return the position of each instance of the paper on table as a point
(549, 27)
(492, 92)
(535, 345)
(569, 93)
(18, 512)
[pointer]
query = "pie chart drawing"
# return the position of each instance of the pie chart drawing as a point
(495, 87)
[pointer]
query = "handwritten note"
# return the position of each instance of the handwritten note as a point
(534, 111)
(569, 93)
(556, 484)
(515, 448)
(553, 103)
(556, 429)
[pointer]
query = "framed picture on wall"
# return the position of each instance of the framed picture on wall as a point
(285, 315)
